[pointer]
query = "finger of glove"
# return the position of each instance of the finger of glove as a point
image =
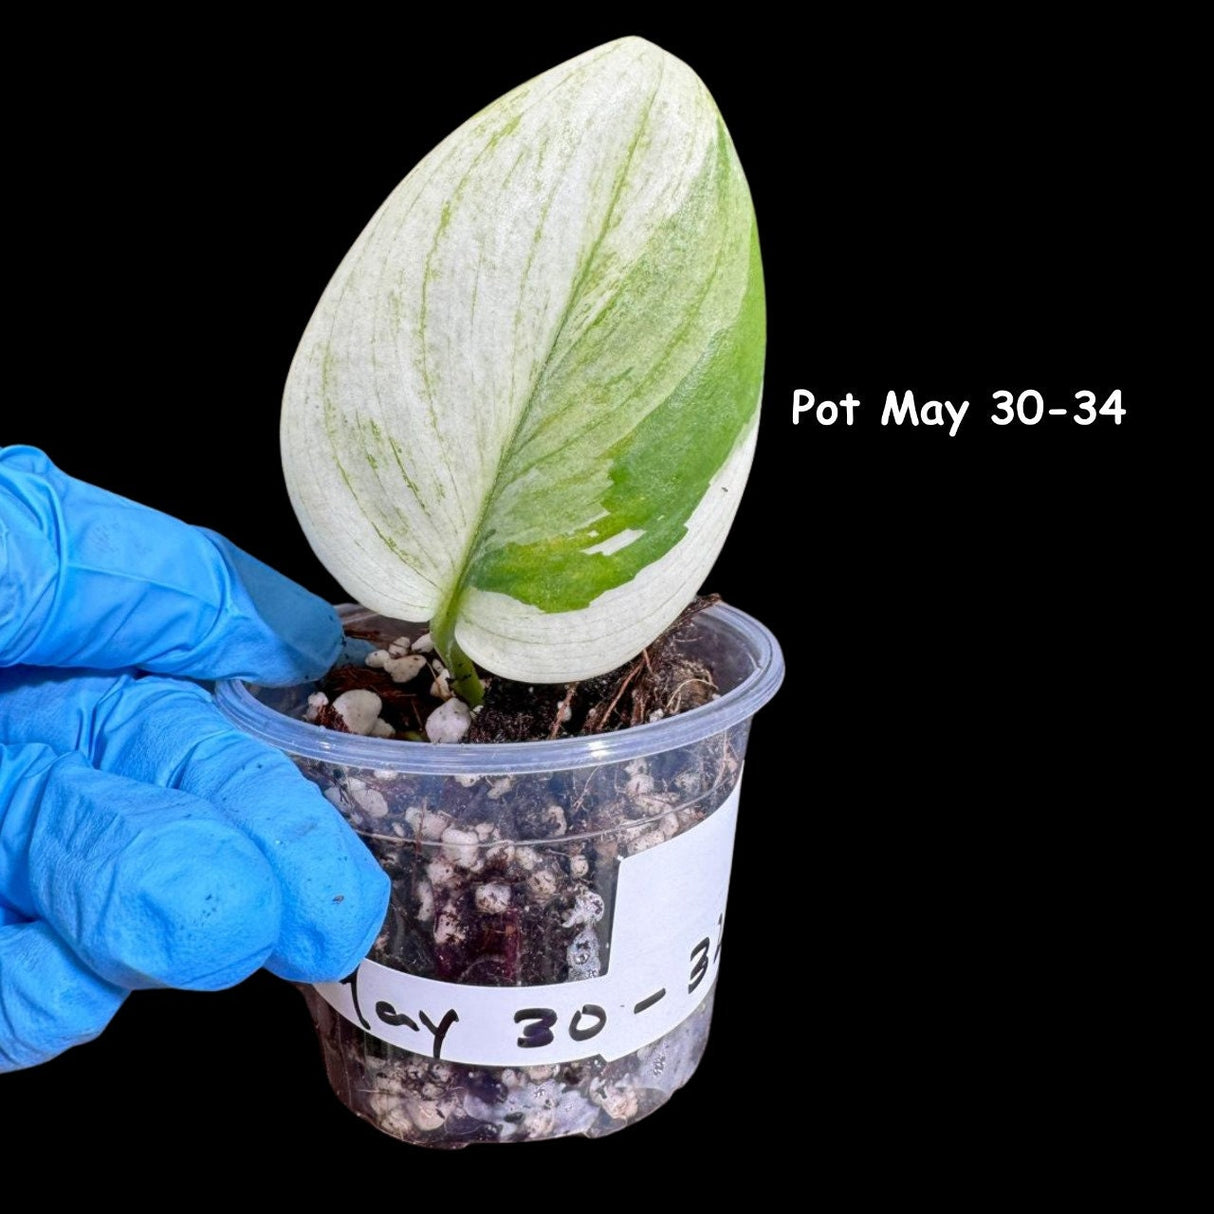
(89, 579)
(334, 894)
(149, 886)
(49, 1002)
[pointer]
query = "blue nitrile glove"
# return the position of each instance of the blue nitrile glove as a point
(143, 842)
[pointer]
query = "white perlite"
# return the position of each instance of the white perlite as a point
(448, 722)
(400, 666)
(370, 800)
(588, 907)
(359, 709)
(426, 823)
(492, 899)
(405, 669)
(460, 846)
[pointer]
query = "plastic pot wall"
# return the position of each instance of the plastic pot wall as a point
(549, 956)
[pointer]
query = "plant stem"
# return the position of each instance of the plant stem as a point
(464, 678)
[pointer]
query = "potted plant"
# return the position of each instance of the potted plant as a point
(517, 430)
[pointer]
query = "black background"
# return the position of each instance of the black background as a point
(913, 935)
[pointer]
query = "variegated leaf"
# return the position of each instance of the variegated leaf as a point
(526, 404)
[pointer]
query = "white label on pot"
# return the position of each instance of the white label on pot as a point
(665, 947)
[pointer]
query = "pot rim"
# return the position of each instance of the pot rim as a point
(240, 706)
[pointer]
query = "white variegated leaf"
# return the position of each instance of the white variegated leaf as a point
(526, 404)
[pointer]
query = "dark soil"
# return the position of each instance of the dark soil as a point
(662, 681)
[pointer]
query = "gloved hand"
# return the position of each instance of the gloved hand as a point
(143, 842)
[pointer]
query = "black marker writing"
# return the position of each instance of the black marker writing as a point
(351, 980)
(699, 955)
(389, 1015)
(539, 1033)
(649, 1001)
(588, 1009)
(439, 1030)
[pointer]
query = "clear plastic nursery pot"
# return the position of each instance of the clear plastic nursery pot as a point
(548, 961)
